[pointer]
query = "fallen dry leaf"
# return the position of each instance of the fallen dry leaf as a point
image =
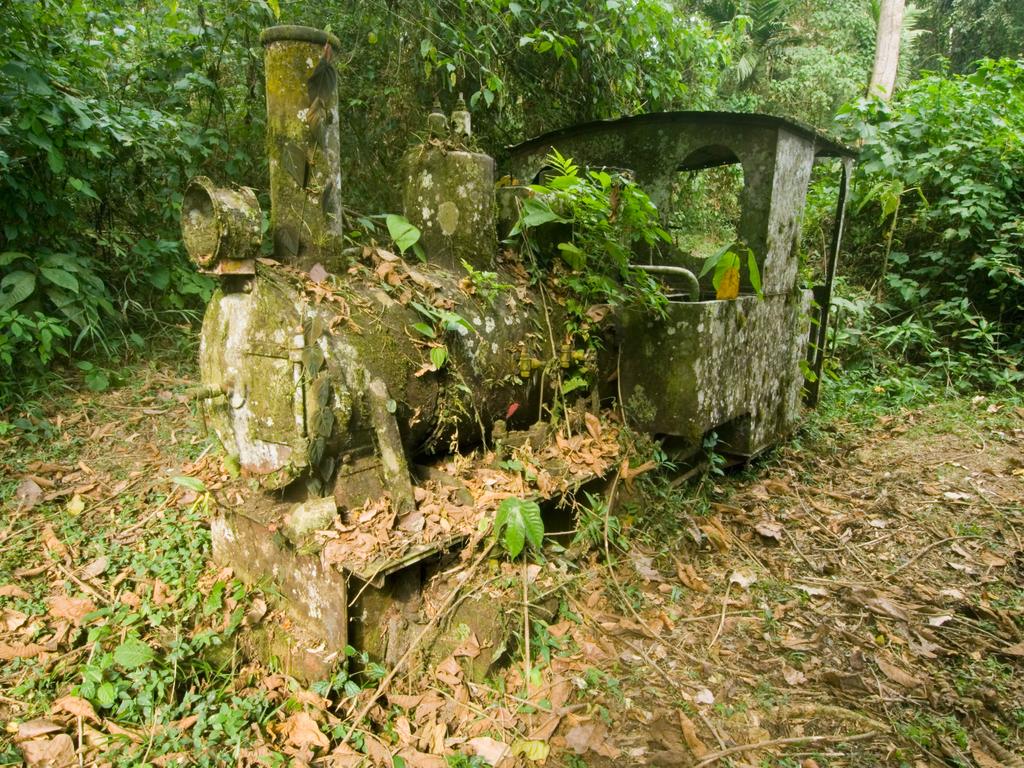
(75, 705)
(687, 575)
(1017, 649)
(793, 676)
(12, 619)
(491, 750)
(52, 544)
(591, 736)
(74, 609)
(19, 651)
(57, 752)
(704, 696)
(27, 495)
(743, 577)
(896, 674)
(697, 747)
(96, 568)
(32, 729)
(770, 529)
(302, 732)
(13, 590)
(984, 759)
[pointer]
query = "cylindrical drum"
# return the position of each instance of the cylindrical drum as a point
(303, 144)
(219, 223)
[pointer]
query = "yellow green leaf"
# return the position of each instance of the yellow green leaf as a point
(729, 286)
(532, 750)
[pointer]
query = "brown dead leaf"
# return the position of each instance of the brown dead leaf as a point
(896, 674)
(54, 545)
(343, 756)
(491, 750)
(74, 609)
(449, 672)
(1016, 649)
(162, 594)
(984, 759)
(697, 747)
(770, 529)
(469, 648)
(96, 568)
(880, 604)
(848, 682)
(591, 736)
(75, 705)
(593, 425)
(32, 729)
(13, 590)
(302, 732)
(56, 752)
(714, 530)
(644, 566)
(793, 676)
(27, 495)
(416, 759)
(688, 576)
(19, 651)
(12, 620)
(778, 488)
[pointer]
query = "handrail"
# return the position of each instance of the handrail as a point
(666, 269)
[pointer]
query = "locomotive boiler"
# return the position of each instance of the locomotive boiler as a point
(352, 384)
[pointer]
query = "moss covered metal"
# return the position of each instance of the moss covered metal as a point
(326, 390)
(449, 196)
(220, 225)
(303, 145)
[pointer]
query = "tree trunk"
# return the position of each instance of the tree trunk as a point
(887, 49)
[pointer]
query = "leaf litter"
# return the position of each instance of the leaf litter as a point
(865, 597)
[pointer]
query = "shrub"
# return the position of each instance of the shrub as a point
(940, 185)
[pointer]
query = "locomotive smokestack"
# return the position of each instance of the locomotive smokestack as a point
(303, 144)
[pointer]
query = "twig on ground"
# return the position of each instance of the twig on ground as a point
(714, 757)
(929, 548)
(721, 622)
(812, 710)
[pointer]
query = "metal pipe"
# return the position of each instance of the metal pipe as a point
(666, 269)
(303, 142)
(820, 334)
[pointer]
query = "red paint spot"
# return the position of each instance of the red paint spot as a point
(511, 410)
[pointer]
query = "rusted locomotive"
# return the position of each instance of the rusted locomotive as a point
(319, 370)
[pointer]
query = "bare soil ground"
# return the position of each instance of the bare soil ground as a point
(854, 599)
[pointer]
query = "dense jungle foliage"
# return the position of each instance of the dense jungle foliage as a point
(107, 108)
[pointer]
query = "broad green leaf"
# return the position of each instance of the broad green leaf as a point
(425, 330)
(438, 356)
(60, 277)
(402, 232)
(159, 278)
(106, 695)
(9, 257)
(16, 287)
(192, 483)
(275, 8)
(537, 212)
(55, 160)
(81, 185)
(521, 522)
(573, 256)
(133, 653)
(515, 538)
